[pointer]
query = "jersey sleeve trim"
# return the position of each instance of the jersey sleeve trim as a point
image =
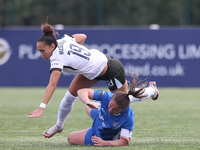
(126, 133)
(53, 69)
(69, 35)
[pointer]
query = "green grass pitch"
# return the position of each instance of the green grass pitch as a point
(170, 123)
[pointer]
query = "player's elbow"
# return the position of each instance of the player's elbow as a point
(84, 36)
(128, 143)
(81, 36)
(125, 141)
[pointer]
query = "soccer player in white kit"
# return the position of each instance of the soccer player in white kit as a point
(90, 66)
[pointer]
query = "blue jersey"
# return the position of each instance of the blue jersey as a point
(106, 125)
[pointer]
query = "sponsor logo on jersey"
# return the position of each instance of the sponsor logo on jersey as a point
(5, 51)
(115, 124)
(103, 125)
(54, 64)
(101, 92)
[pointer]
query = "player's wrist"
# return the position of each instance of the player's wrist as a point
(105, 143)
(43, 105)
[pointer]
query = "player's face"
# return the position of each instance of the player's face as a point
(113, 108)
(45, 50)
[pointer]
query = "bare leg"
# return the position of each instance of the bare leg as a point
(77, 137)
(80, 82)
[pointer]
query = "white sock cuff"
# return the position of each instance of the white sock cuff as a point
(70, 97)
(149, 91)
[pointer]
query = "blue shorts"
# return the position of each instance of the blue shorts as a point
(89, 134)
(88, 137)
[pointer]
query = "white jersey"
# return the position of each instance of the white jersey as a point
(74, 58)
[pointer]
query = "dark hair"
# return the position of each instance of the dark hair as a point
(48, 35)
(122, 98)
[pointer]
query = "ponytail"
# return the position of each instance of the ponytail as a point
(122, 98)
(137, 93)
(48, 35)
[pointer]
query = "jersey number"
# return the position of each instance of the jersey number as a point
(74, 49)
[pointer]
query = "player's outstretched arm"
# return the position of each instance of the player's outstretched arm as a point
(80, 38)
(55, 75)
(123, 141)
(85, 95)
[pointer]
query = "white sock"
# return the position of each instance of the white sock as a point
(149, 91)
(65, 107)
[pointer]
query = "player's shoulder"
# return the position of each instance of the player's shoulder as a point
(102, 94)
(130, 112)
(55, 54)
(67, 37)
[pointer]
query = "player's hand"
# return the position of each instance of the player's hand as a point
(36, 113)
(93, 105)
(98, 141)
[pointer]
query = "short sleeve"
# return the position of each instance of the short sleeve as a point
(126, 133)
(100, 95)
(69, 37)
(55, 62)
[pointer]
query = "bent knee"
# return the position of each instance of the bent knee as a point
(71, 139)
(75, 138)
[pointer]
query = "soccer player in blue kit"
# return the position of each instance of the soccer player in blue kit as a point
(113, 119)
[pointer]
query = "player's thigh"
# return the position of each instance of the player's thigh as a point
(80, 82)
(77, 137)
